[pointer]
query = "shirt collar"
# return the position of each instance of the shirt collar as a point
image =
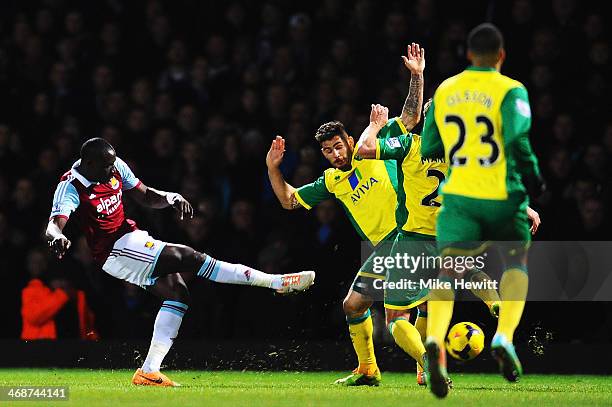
(87, 183)
(480, 68)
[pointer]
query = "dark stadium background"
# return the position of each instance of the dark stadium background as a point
(191, 93)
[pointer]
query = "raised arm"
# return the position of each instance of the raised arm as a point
(414, 61)
(379, 115)
(284, 192)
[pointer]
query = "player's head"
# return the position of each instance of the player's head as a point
(97, 159)
(485, 46)
(336, 145)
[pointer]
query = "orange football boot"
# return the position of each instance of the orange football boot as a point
(141, 378)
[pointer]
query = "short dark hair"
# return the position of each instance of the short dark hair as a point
(94, 147)
(329, 130)
(485, 39)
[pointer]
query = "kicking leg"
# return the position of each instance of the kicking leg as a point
(179, 258)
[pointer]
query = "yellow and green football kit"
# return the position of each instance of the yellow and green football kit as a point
(479, 123)
(366, 192)
(416, 211)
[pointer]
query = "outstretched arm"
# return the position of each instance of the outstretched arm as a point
(379, 115)
(153, 198)
(415, 63)
(150, 197)
(284, 192)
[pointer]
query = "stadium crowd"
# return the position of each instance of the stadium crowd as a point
(191, 93)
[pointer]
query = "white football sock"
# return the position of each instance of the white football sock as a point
(166, 328)
(223, 272)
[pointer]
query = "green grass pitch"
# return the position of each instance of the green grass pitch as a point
(112, 387)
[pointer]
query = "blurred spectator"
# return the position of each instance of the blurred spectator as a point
(42, 304)
(592, 217)
(326, 215)
(241, 239)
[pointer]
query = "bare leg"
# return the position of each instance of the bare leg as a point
(356, 304)
(183, 259)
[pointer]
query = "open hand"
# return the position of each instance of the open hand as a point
(181, 205)
(276, 153)
(415, 59)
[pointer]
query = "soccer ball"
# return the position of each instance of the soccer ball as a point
(465, 341)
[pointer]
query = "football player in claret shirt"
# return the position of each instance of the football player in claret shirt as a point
(93, 191)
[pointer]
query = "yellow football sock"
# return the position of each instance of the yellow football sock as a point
(421, 325)
(513, 290)
(408, 338)
(361, 335)
(487, 295)
(440, 307)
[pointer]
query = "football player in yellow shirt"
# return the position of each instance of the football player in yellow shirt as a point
(479, 123)
(366, 189)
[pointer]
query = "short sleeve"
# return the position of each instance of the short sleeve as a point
(65, 200)
(128, 178)
(393, 128)
(393, 148)
(314, 193)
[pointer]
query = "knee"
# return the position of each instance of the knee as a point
(179, 290)
(448, 274)
(181, 296)
(187, 257)
(515, 257)
(175, 252)
(197, 256)
(354, 307)
(393, 315)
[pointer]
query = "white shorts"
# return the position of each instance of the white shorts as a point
(133, 258)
